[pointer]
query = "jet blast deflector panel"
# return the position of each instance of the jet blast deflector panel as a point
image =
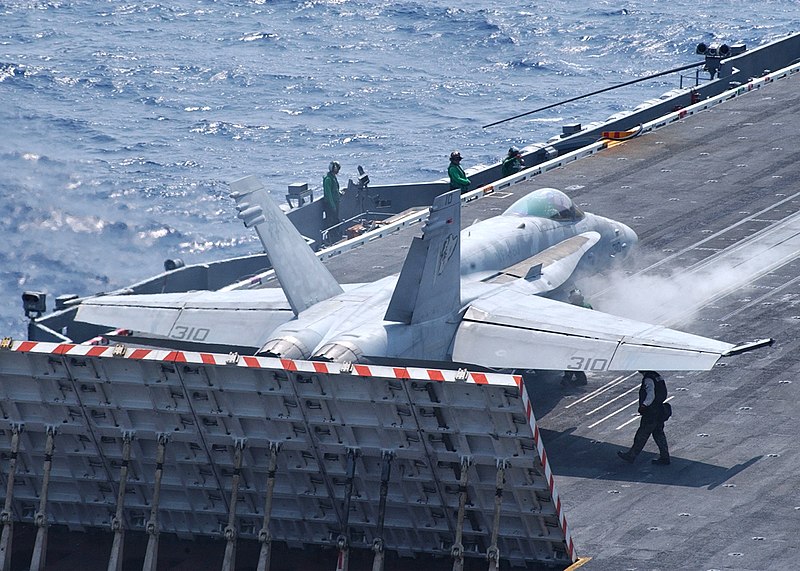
(430, 425)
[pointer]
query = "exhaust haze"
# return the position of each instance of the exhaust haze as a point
(672, 298)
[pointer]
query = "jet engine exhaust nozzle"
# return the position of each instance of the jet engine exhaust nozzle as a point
(339, 352)
(287, 347)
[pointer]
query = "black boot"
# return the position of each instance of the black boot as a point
(662, 461)
(627, 456)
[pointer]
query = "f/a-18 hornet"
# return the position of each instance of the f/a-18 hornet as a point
(476, 296)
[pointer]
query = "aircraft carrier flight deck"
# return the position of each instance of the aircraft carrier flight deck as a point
(714, 199)
(715, 202)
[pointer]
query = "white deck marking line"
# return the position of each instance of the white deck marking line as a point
(624, 424)
(761, 298)
(752, 265)
(616, 412)
(600, 390)
(696, 245)
(747, 258)
(788, 225)
(605, 404)
(718, 234)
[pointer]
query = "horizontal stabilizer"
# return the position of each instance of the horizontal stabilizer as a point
(513, 330)
(746, 347)
(552, 267)
(235, 318)
(304, 278)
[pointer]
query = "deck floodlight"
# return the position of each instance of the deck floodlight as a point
(299, 192)
(715, 53)
(34, 303)
(170, 264)
(713, 50)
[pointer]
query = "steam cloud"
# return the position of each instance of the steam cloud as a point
(675, 297)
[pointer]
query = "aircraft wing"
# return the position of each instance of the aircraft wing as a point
(235, 318)
(551, 267)
(509, 329)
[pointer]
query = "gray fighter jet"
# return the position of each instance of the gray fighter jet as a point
(476, 297)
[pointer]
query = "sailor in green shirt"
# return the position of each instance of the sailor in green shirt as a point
(576, 298)
(458, 178)
(513, 163)
(330, 186)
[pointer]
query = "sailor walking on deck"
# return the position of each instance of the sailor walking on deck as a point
(458, 178)
(330, 187)
(655, 411)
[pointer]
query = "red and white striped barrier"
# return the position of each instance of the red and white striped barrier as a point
(548, 472)
(121, 351)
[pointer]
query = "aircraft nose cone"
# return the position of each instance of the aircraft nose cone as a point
(626, 240)
(631, 239)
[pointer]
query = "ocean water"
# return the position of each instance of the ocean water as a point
(121, 123)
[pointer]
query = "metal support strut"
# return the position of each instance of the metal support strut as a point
(377, 543)
(151, 556)
(118, 523)
(264, 536)
(229, 561)
(342, 543)
(493, 553)
(5, 515)
(40, 519)
(457, 551)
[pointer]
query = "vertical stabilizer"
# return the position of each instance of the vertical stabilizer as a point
(429, 285)
(304, 278)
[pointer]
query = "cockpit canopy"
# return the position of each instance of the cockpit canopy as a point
(547, 203)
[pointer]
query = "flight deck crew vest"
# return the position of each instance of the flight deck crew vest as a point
(660, 390)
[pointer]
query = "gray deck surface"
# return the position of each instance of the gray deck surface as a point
(731, 497)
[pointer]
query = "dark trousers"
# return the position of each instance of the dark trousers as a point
(574, 377)
(332, 219)
(650, 425)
